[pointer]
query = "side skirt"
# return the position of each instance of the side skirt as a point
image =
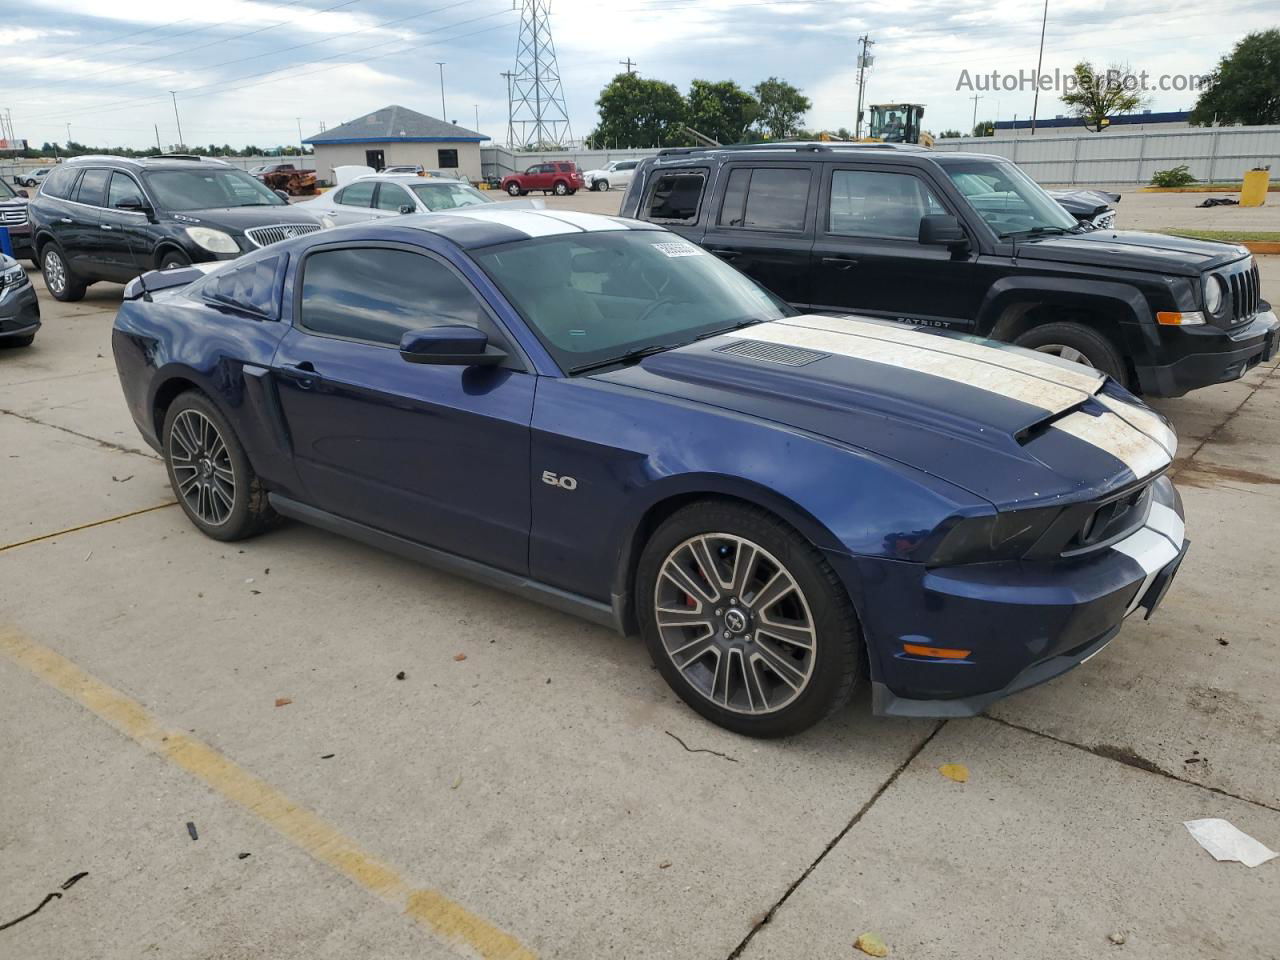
(573, 603)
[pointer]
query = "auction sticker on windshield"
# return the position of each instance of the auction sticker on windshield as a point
(679, 249)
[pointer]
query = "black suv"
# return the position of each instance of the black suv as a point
(969, 243)
(112, 218)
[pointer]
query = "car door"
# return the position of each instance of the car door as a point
(543, 175)
(124, 227)
(764, 222)
(622, 172)
(84, 242)
(390, 198)
(354, 202)
(437, 454)
(867, 257)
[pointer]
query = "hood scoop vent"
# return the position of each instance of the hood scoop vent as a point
(772, 353)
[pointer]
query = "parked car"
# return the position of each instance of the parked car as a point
(415, 169)
(1093, 207)
(969, 243)
(13, 217)
(32, 177)
(389, 195)
(559, 178)
(112, 218)
(597, 414)
(286, 178)
(614, 174)
(19, 308)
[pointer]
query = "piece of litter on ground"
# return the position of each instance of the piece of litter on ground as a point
(88, 555)
(664, 864)
(459, 657)
(1116, 938)
(283, 701)
(191, 829)
(400, 675)
(456, 784)
(327, 756)
(1225, 842)
(242, 856)
(955, 771)
(871, 945)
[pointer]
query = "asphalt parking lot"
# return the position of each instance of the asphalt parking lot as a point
(218, 734)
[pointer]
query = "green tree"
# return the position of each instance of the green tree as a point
(1245, 87)
(984, 128)
(721, 110)
(1096, 96)
(638, 112)
(782, 107)
(949, 134)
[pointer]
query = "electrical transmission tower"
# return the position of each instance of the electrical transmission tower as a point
(538, 114)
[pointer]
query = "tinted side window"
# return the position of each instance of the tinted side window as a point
(766, 198)
(376, 294)
(252, 288)
(93, 187)
(675, 197)
(357, 195)
(392, 197)
(123, 190)
(60, 182)
(627, 165)
(448, 159)
(869, 203)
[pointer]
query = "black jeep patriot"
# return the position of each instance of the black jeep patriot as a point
(969, 243)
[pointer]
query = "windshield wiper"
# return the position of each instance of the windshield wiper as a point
(1035, 232)
(729, 329)
(629, 357)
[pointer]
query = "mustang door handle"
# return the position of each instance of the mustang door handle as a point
(840, 263)
(65, 220)
(727, 254)
(106, 226)
(304, 374)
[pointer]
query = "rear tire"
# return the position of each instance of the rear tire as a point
(58, 278)
(210, 473)
(792, 654)
(1076, 342)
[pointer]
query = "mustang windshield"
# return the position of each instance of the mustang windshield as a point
(209, 189)
(1011, 202)
(606, 296)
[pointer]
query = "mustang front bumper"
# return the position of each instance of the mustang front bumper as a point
(1022, 623)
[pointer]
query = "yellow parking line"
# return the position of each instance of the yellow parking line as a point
(86, 526)
(454, 924)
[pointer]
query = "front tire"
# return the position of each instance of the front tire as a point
(174, 259)
(1078, 343)
(600, 186)
(746, 620)
(58, 278)
(513, 189)
(210, 472)
(560, 188)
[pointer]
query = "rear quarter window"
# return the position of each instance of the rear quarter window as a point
(60, 182)
(675, 197)
(253, 288)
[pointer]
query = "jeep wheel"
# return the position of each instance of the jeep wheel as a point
(514, 189)
(746, 620)
(62, 283)
(1078, 343)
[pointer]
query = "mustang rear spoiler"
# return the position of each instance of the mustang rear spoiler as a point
(153, 281)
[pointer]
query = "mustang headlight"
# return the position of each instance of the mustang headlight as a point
(1215, 293)
(215, 241)
(1000, 536)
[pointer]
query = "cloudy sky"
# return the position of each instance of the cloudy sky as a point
(244, 71)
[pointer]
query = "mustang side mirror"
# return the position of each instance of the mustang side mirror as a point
(408, 208)
(459, 346)
(942, 230)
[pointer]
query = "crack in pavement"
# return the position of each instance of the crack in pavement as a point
(110, 445)
(1108, 752)
(87, 526)
(857, 817)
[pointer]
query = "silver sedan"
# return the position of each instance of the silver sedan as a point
(389, 195)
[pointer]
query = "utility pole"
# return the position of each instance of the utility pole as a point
(444, 114)
(181, 141)
(477, 118)
(301, 149)
(975, 98)
(1035, 103)
(158, 147)
(68, 136)
(628, 63)
(510, 128)
(864, 61)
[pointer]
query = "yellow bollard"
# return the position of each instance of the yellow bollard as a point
(1254, 191)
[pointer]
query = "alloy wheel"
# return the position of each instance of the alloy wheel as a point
(734, 621)
(561, 189)
(1065, 352)
(202, 468)
(55, 272)
(513, 190)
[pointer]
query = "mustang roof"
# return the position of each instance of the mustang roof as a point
(478, 227)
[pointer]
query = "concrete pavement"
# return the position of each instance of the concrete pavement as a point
(537, 788)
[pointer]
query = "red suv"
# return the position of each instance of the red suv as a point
(559, 178)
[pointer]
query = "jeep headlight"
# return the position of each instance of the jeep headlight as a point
(215, 241)
(1215, 293)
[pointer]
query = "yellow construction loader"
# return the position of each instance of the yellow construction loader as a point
(897, 123)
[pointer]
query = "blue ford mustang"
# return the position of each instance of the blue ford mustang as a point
(599, 415)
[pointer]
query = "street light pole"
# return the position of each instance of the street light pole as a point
(975, 98)
(1035, 103)
(444, 113)
(177, 119)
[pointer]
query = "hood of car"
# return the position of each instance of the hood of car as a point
(243, 218)
(1133, 250)
(1012, 426)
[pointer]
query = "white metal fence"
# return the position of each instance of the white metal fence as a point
(1213, 154)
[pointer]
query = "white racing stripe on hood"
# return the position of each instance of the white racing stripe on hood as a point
(1145, 420)
(1084, 379)
(847, 339)
(1142, 455)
